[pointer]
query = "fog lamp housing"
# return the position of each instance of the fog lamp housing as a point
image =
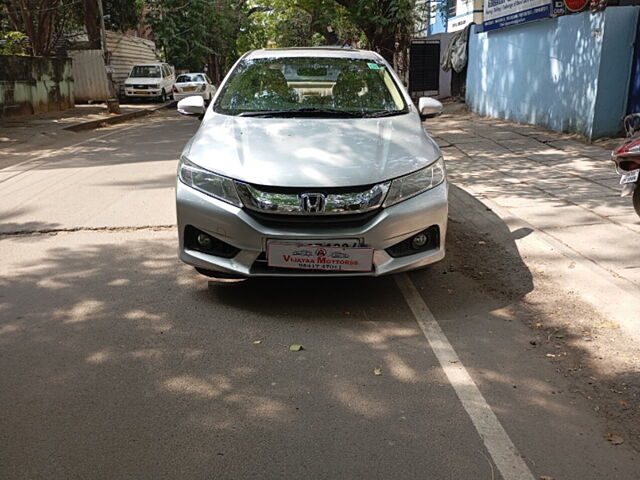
(423, 241)
(200, 241)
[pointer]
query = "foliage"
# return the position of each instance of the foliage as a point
(299, 23)
(214, 32)
(122, 15)
(119, 15)
(197, 33)
(13, 43)
(42, 21)
(384, 22)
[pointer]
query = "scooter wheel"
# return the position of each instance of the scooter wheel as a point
(636, 199)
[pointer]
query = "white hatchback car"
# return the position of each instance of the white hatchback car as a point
(311, 162)
(189, 84)
(150, 80)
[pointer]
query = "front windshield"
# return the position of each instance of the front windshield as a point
(145, 71)
(300, 86)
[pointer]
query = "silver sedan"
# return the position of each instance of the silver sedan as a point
(311, 162)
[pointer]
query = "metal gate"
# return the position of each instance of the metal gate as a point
(89, 76)
(424, 68)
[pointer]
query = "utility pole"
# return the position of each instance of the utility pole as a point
(113, 105)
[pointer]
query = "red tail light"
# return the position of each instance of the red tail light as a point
(629, 149)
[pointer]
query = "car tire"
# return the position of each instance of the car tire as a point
(163, 96)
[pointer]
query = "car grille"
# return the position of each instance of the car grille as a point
(313, 223)
(312, 202)
(140, 87)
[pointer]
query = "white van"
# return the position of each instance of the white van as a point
(153, 80)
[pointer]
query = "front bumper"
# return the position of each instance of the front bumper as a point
(129, 92)
(238, 228)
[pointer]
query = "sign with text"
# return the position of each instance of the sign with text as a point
(312, 257)
(507, 13)
(575, 5)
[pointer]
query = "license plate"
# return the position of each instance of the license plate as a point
(324, 242)
(630, 177)
(140, 92)
(188, 89)
(315, 257)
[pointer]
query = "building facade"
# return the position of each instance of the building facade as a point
(568, 65)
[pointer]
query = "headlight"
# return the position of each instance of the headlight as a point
(208, 182)
(415, 183)
(155, 86)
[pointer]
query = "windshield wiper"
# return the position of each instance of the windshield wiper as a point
(383, 113)
(303, 112)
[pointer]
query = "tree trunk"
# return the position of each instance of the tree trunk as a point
(37, 21)
(91, 23)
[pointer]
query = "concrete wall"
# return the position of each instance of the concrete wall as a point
(568, 74)
(31, 85)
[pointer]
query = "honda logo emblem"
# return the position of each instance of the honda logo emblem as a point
(313, 202)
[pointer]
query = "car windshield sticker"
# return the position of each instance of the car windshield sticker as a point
(374, 66)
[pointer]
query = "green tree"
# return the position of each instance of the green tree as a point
(195, 33)
(384, 22)
(299, 23)
(13, 43)
(42, 21)
(120, 15)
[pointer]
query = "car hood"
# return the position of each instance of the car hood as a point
(311, 152)
(142, 81)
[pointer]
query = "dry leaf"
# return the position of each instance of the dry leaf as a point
(257, 342)
(377, 371)
(615, 439)
(296, 348)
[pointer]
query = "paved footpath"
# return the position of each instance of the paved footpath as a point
(558, 189)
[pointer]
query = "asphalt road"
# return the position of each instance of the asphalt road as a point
(117, 361)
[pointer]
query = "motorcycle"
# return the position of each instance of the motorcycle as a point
(627, 160)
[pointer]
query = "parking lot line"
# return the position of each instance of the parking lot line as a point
(502, 450)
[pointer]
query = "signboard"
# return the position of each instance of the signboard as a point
(558, 8)
(309, 257)
(506, 13)
(463, 13)
(575, 5)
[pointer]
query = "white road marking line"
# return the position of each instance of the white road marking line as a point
(502, 450)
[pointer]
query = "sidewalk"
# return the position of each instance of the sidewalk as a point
(555, 185)
(16, 132)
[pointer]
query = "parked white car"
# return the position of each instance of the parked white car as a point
(150, 80)
(189, 84)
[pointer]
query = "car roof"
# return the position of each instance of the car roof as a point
(329, 52)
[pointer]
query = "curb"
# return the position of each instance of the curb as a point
(103, 122)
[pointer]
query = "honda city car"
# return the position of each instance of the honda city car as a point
(311, 162)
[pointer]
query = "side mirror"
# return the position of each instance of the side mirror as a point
(193, 105)
(429, 107)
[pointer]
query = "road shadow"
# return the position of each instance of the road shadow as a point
(118, 361)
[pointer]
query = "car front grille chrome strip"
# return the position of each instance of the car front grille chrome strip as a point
(312, 201)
